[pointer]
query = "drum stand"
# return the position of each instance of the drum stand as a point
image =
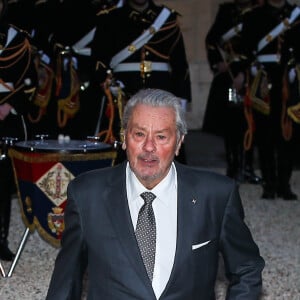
(5, 143)
(19, 251)
(2, 270)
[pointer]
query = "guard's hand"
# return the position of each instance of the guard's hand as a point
(222, 67)
(253, 70)
(108, 80)
(184, 104)
(116, 86)
(238, 81)
(5, 109)
(292, 75)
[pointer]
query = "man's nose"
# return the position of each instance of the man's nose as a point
(149, 144)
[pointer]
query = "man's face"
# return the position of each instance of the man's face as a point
(151, 143)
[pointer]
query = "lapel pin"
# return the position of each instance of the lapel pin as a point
(194, 201)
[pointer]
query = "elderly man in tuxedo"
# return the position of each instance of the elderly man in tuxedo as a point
(189, 217)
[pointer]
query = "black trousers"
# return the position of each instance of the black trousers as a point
(276, 155)
(7, 185)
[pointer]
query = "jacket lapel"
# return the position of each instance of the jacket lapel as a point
(118, 210)
(184, 233)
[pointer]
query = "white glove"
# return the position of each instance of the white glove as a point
(292, 75)
(67, 60)
(254, 71)
(183, 104)
(44, 57)
(115, 88)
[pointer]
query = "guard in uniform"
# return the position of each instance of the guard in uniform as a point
(140, 45)
(18, 79)
(263, 34)
(63, 31)
(224, 115)
(290, 60)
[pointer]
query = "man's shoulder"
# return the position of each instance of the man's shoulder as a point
(100, 175)
(200, 172)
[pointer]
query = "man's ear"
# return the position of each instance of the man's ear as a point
(123, 140)
(179, 145)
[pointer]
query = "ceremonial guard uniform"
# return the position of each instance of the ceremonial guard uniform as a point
(142, 49)
(263, 33)
(224, 115)
(63, 33)
(290, 58)
(17, 85)
(69, 22)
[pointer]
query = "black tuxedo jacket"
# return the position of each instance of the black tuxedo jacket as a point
(99, 235)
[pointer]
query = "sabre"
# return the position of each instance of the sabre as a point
(100, 115)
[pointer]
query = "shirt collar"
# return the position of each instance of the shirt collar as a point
(167, 186)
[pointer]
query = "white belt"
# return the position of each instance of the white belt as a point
(281, 27)
(81, 46)
(232, 32)
(83, 51)
(265, 58)
(4, 89)
(144, 66)
(142, 39)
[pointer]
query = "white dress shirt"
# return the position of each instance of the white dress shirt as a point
(165, 211)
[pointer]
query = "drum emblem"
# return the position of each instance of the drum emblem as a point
(56, 221)
(54, 183)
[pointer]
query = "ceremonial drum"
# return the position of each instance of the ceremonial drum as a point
(43, 169)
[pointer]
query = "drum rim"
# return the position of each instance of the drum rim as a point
(33, 146)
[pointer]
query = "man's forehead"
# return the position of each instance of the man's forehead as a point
(147, 109)
(155, 116)
(155, 127)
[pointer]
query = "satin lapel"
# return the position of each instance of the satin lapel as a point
(118, 210)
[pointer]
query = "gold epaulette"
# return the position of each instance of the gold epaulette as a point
(106, 10)
(40, 2)
(29, 91)
(248, 9)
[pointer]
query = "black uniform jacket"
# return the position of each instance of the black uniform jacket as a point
(121, 27)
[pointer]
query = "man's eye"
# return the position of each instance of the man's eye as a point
(161, 137)
(139, 134)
